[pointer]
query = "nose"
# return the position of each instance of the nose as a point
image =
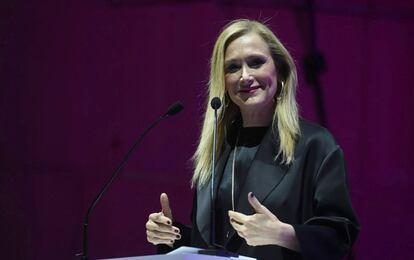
(246, 78)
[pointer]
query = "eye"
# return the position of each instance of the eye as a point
(256, 62)
(232, 68)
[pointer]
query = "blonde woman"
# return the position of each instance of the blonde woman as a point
(281, 183)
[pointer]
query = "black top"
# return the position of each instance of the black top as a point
(246, 141)
(311, 194)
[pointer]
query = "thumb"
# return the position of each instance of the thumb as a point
(259, 208)
(165, 206)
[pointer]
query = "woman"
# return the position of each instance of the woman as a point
(281, 183)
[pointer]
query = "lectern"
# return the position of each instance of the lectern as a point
(182, 253)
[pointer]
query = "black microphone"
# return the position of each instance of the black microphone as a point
(174, 109)
(212, 250)
(215, 104)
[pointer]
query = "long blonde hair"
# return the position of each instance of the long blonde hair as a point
(285, 117)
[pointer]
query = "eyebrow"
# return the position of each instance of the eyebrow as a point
(252, 56)
(227, 62)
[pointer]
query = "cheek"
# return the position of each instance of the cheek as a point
(272, 86)
(271, 80)
(231, 83)
(272, 77)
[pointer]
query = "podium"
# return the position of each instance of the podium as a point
(172, 257)
(182, 253)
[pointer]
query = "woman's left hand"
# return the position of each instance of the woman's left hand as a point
(263, 227)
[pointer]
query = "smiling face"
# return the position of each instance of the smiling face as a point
(250, 74)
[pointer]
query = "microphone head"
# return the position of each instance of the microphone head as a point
(215, 103)
(174, 109)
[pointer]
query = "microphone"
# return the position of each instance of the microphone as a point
(215, 104)
(173, 110)
(212, 250)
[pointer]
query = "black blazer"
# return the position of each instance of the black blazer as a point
(311, 195)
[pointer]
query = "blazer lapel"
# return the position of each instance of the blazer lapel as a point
(263, 177)
(204, 196)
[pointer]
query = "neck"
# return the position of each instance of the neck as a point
(256, 118)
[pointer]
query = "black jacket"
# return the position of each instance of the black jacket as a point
(311, 195)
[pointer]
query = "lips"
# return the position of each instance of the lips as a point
(249, 89)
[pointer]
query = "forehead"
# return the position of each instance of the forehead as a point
(248, 44)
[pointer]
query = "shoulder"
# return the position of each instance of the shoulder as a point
(311, 132)
(315, 148)
(314, 137)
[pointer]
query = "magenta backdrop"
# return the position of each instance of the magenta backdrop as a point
(79, 80)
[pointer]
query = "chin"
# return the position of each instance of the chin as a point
(251, 105)
(253, 101)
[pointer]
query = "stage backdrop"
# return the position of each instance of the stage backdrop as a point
(80, 80)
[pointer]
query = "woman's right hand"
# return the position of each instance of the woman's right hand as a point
(159, 225)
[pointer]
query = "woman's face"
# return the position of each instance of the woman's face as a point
(250, 73)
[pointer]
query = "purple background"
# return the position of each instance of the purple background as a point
(79, 80)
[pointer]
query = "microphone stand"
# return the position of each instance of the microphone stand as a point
(215, 105)
(174, 109)
(212, 247)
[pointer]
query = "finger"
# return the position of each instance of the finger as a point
(236, 225)
(237, 216)
(240, 229)
(162, 235)
(160, 218)
(165, 206)
(155, 216)
(153, 226)
(256, 205)
(157, 241)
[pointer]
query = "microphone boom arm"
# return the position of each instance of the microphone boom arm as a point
(174, 109)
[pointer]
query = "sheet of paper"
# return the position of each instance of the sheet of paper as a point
(194, 250)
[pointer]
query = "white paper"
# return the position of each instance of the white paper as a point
(194, 250)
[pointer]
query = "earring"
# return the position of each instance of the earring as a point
(280, 91)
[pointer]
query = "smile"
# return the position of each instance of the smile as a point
(249, 89)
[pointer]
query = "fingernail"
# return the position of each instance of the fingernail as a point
(251, 195)
(176, 230)
(168, 222)
(178, 236)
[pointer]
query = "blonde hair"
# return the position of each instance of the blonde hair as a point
(285, 117)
